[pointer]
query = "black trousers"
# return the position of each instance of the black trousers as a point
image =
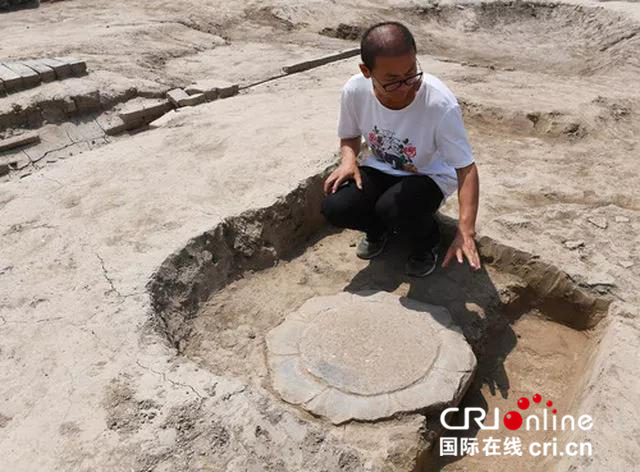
(386, 203)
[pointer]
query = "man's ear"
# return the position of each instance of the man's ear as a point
(365, 71)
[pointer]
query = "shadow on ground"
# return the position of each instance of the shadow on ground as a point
(474, 302)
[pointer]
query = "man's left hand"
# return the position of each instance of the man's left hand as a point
(463, 244)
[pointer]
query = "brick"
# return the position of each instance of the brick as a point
(193, 100)
(300, 66)
(213, 89)
(132, 115)
(62, 69)
(180, 98)
(175, 96)
(12, 81)
(228, 91)
(88, 102)
(47, 74)
(112, 124)
(144, 113)
(166, 118)
(30, 78)
(78, 67)
(20, 140)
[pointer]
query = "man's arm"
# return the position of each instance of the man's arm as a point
(349, 150)
(349, 146)
(348, 168)
(452, 139)
(468, 195)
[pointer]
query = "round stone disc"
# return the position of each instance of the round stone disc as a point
(369, 355)
(368, 352)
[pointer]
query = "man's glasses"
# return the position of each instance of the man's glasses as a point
(409, 81)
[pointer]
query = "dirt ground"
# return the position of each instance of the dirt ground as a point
(140, 271)
(520, 350)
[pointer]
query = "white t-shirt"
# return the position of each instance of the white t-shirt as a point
(426, 137)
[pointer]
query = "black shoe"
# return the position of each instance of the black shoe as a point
(368, 248)
(423, 264)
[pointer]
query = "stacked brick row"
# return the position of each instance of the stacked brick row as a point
(21, 75)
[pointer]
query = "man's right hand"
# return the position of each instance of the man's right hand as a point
(343, 173)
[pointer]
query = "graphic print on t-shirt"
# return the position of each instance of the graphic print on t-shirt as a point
(395, 152)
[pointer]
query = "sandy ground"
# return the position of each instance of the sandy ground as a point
(519, 348)
(88, 381)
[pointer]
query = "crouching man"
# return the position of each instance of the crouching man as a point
(420, 155)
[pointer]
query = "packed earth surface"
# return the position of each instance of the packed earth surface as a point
(161, 251)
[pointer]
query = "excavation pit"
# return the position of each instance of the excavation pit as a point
(560, 38)
(225, 298)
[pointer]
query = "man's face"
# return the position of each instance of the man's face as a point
(391, 69)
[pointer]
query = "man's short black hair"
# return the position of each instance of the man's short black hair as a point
(388, 38)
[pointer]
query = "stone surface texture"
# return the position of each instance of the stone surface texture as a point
(368, 356)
